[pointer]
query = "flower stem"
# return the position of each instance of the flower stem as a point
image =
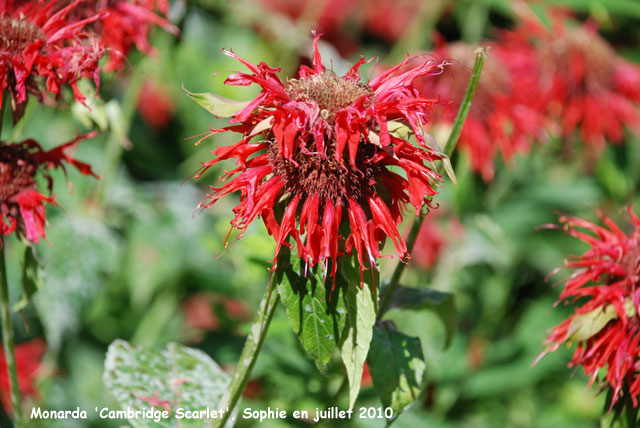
(7, 342)
(456, 129)
(249, 354)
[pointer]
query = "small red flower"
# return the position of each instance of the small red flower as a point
(606, 324)
(125, 23)
(22, 207)
(38, 41)
(434, 236)
(502, 118)
(155, 104)
(28, 356)
(325, 171)
(583, 83)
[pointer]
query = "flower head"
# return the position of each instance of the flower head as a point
(39, 41)
(155, 104)
(28, 356)
(502, 118)
(583, 83)
(125, 23)
(22, 206)
(606, 324)
(328, 170)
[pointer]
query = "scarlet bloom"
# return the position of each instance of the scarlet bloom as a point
(155, 104)
(22, 206)
(321, 171)
(503, 118)
(28, 356)
(125, 23)
(39, 41)
(434, 237)
(584, 84)
(606, 324)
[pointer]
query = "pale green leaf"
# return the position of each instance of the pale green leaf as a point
(584, 326)
(217, 105)
(358, 331)
(177, 378)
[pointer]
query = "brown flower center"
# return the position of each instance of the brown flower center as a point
(17, 34)
(17, 171)
(328, 91)
(321, 175)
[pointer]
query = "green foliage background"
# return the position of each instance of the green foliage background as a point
(126, 253)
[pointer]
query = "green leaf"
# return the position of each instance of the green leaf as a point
(31, 282)
(441, 303)
(173, 379)
(217, 105)
(358, 331)
(317, 314)
(397, 367)
(584, 326)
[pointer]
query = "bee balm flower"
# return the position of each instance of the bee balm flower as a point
(39, 42)
(125, 23)
(606, 325)
(329, 158)
(22, 206)
(584, 84)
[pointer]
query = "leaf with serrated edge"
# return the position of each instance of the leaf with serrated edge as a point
(177, 377)
(316, 313)
(397, 367)
(217, 105)
(358, 331)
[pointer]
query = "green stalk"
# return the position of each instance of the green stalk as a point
(7, 342)
(5, 316)
(249, 354)
(481, 55)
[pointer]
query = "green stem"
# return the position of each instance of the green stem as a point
(7, 342)
(249, 354)
(463, 111)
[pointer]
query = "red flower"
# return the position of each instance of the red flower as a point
(22, 207)
(502, 118)
(342, 21)
(606, 324)
(320, 173)
(434, 237)
(155, 104)
(28, 356)
(584, 84)
(36, 40)
(125, 23)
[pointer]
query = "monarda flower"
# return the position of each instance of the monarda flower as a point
(502, 118)
(28, 356)
(39, 42)
(327, 169)
(125, 23)
(583, 83)
(605, 324)
(22, 206)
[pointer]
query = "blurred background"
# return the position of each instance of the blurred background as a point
(130, 257)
